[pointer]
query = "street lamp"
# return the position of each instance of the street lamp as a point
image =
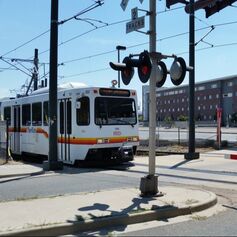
(119, 47)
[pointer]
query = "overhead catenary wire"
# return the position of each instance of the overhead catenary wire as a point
(14, 66)
(80, 35)
(211, 27)
(181, 53)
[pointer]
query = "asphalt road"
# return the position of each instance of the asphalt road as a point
(68, 181)
(223, 224)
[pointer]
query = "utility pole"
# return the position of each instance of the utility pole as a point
(53, 163)
(191, 148)
(149, 184)
(36, 68)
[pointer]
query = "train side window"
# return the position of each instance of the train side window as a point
(7, 114)
(26, 112)
(46, 113)
(83, 111)
(37, 114)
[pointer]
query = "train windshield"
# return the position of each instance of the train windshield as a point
(115, 111)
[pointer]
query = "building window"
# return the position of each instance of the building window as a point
(214, 86)
(217, 96)
(201, 88)
(230, 83)
(228, 94)
(210, 97)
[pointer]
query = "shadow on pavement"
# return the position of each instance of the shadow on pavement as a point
(106, 212)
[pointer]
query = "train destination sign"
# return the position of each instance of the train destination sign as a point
(135, 24)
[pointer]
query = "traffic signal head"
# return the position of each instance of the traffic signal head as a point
(178, 71)
(210, 6)
(161, 74)
(144, 67)
(128, 72)
(127, 67)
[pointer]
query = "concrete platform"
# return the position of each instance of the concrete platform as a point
(70, 214)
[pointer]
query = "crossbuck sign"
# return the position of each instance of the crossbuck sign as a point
(124, 4)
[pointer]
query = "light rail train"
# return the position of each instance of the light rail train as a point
(94, 124)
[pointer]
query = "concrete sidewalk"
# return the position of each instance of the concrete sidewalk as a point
(16, 170)
(68, 214)
(91, 211)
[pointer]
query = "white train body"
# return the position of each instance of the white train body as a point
(93, 123)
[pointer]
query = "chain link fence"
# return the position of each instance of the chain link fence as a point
(205, 137)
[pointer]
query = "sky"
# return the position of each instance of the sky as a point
(86, 46)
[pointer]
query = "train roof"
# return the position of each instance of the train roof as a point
(65, 86)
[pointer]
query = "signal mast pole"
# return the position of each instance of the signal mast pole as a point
(149, 184)
(53, 163)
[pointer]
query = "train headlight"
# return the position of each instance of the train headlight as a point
(100, 141)
(135, 139)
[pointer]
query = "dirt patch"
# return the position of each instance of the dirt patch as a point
(173, 149)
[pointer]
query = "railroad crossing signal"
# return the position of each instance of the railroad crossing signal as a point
(143, 64)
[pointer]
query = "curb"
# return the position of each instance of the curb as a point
(22, 174)
(231, 156)
(109, 221)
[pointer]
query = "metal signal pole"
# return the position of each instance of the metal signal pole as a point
(53, 163)
(149, 184)
(191, 148)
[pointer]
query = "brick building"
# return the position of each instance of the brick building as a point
(173, 102)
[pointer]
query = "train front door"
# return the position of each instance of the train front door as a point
(16, 143)
(65, 129)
